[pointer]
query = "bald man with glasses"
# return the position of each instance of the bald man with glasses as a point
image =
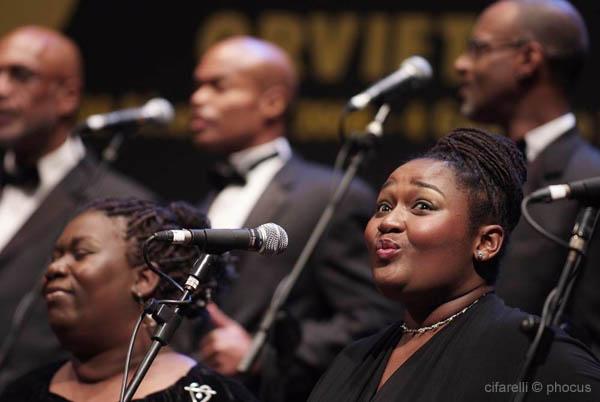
(518, 71)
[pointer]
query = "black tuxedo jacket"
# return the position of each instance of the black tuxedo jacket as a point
(532, 264)
(335, 300)
(25, 258)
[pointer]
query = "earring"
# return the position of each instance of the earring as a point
(480, 255)
(137, 296)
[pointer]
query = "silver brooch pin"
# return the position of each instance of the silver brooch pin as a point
(200, 393)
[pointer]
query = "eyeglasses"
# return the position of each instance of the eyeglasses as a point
(477, 48)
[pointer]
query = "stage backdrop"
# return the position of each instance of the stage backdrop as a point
(135, 50)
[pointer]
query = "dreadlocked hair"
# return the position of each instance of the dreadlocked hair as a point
(143, 218)
(492, 169)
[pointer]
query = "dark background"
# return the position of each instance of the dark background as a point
(135, 50)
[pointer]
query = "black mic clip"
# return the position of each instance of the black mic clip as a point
(370, 138)
(360, 141)
(584, 228)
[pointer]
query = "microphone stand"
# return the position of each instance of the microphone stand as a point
(363, 145)
(110, 153)
(169, 318)
(558, 298)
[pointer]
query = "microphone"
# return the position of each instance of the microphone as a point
(157, 110)
(413, 73)
(586, 191)
(267, 239)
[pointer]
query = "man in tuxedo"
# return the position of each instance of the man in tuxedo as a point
(45, 175)
(239, 109)
(520, 67)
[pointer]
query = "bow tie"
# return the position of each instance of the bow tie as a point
(223, 174)
(25, 177)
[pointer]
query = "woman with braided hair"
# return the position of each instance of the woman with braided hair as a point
(95, 287)
(439, 228)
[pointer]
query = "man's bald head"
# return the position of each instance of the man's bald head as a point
(522, 53)
(268, 64)
(40, 88)
(58, 54)
(559, 28)
(244, 89)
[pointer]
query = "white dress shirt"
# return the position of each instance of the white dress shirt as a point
(540, 137)
(233, 204)
(16, 204)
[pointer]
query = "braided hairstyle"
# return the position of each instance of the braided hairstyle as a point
(492, 170)
(143, 218)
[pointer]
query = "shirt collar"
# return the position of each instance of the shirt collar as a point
(53, 166)
(540, 137)
(246, 157)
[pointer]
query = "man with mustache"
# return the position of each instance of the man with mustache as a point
(520, 67)
(244, 88)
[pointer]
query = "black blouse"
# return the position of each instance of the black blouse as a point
(198, 383)
(476, 357)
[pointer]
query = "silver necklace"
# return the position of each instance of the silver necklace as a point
(438, 324)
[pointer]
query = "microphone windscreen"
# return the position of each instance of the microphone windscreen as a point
(159, 110)
(420, 66)
(274, 239)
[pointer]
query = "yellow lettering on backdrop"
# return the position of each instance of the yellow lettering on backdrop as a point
(316, 119)
(284, 29)
(412, 33)
(331, 42)
(51, 13)
(221, 25)
(374, 56)
(455, 29)
(415, 118)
